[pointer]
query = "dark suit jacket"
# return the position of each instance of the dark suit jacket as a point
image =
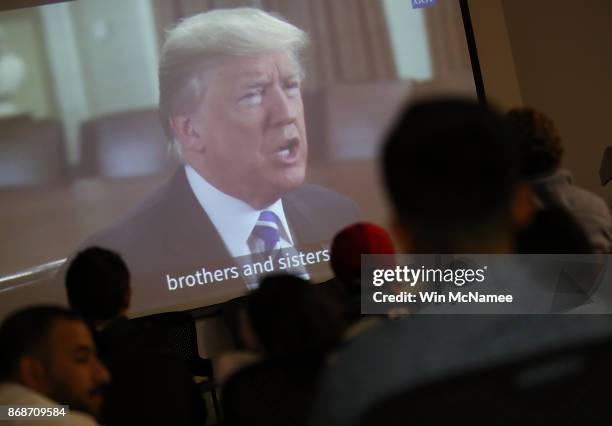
(168, 235)
(150, 385)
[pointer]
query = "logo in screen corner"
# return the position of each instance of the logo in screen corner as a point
(418, 4)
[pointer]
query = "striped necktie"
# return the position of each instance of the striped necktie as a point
(265, 236)
(264, 239)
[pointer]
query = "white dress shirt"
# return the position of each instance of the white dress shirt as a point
(233, 218)
(13, 394)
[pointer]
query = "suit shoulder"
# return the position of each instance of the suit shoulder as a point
(146, 223)
(317, 196)
(322, 209)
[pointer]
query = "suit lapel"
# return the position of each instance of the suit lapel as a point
(193, 233)
(190, 234)
(300, 220)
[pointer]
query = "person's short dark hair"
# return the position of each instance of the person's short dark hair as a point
(541, 146)
(97, 282)
(450, 167)
(24, 332)
(291, 318)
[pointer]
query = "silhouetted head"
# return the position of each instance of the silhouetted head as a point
(540, 143)
(98, 284)
(287, 316)
(451, 168)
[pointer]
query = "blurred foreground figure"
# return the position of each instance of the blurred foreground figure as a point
(287, 318)
(293, 327)
(48, 358)
(554, 230)
(542, 152)
(452, 170)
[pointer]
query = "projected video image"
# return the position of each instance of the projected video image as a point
(207, 146)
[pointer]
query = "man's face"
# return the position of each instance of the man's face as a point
(251, 127)
(74, 375)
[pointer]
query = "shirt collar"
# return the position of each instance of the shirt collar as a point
(233, 218)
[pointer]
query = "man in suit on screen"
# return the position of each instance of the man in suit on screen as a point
(230, 101)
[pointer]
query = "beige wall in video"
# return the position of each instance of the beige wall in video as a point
(563, 55)
(118, 49)
(554, 55)
(408, 36)
(103, 58)
(21, 29)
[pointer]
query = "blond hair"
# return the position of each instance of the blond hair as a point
(197, 42)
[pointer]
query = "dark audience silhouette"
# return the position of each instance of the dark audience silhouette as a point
(541, 155)
(452, 171)
(294, 327)
(462, 179)
(150, 385)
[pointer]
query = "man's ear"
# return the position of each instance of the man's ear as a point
(31, 373)
(523, 205)
(186, 132)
